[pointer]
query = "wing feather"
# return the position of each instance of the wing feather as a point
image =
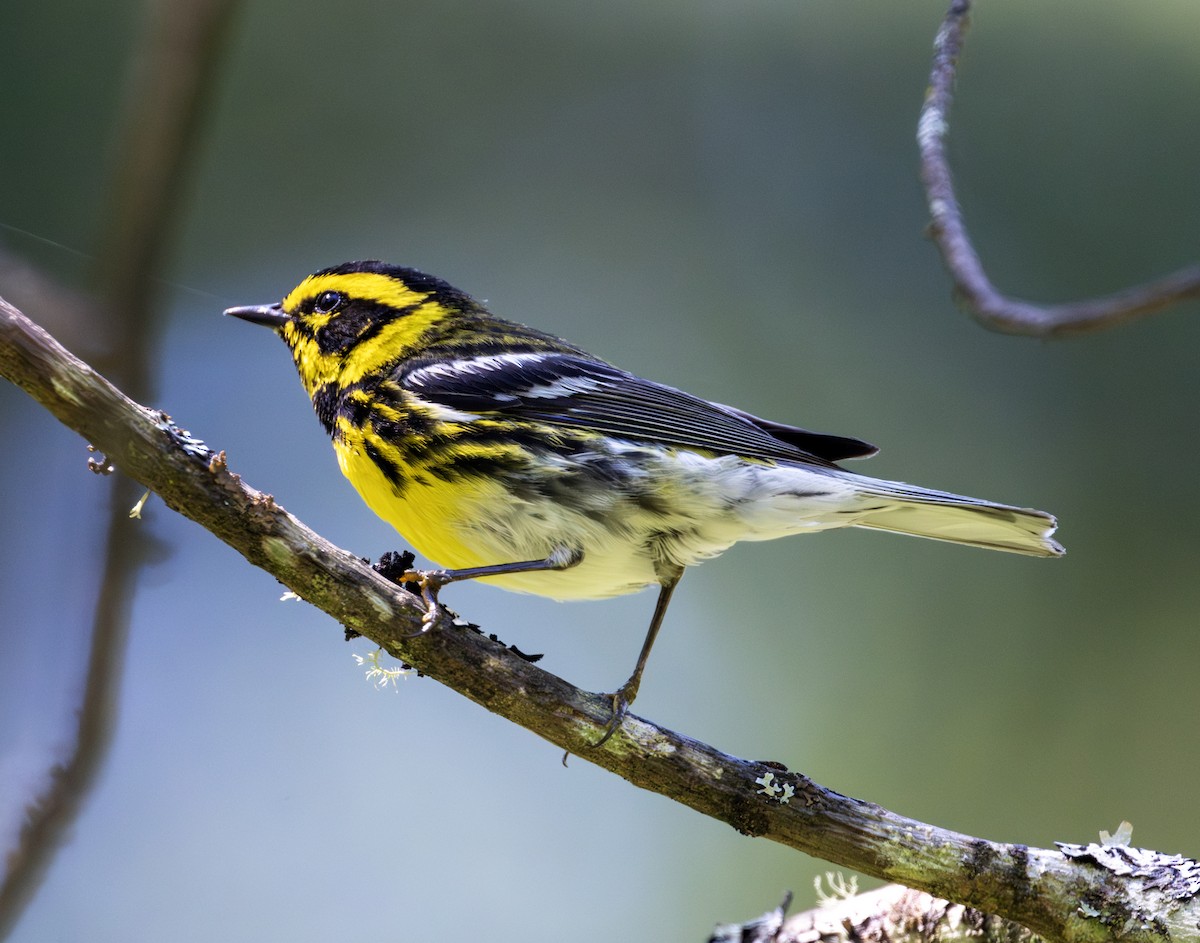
(570, 390)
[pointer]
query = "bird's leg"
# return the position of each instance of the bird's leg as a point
(431, 581)
(624, 695)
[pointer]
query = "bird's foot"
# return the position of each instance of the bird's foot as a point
(621, 699)
(429, 582)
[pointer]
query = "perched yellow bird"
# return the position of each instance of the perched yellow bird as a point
(512, 456)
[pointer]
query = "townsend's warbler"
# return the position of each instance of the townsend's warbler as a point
(512, 456)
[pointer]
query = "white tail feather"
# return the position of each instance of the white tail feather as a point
(940, 515)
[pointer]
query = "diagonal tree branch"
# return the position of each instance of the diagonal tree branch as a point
(1064, 897)
(972, 287)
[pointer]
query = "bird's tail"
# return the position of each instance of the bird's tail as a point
(939, 515)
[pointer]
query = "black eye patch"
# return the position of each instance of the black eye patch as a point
(354, 323)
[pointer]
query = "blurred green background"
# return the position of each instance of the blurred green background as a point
(722, 196)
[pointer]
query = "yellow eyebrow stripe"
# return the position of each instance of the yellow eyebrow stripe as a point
(368, 286)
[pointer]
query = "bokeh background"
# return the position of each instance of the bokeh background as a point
(719, 195)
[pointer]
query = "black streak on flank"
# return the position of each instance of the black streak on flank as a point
(389, 470)
(471, 466)
(652, 503)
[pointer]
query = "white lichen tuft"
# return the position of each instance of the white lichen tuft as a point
(839, 888)
(135, 512)
(376, 673)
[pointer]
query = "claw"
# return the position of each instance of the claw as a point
(430, 582)
(621, 699)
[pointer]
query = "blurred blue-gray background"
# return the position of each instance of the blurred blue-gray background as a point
(722, 196)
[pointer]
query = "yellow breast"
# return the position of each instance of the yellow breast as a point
(435, 516)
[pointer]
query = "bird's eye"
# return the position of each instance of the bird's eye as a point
(328, 301)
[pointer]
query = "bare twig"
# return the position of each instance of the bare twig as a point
(1076, 898)
(161, 115)
(972, 287)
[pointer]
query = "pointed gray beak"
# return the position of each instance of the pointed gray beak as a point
(271, 316)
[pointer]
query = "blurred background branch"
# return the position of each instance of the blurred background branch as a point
(972, 288)
(174, 69)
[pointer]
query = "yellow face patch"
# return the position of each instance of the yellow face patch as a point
(416, 313)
